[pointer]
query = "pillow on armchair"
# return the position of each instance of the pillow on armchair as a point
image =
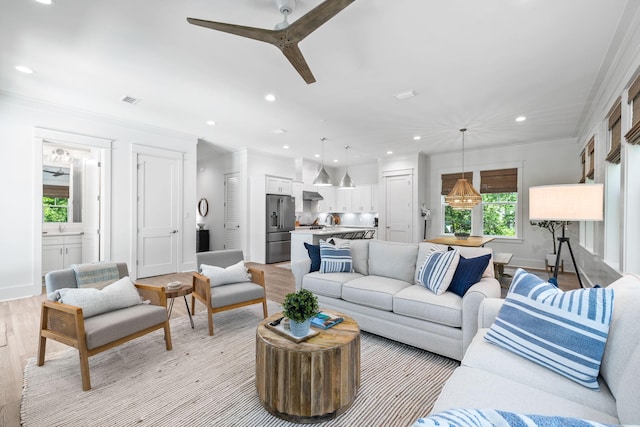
(219, 276)
(119, 294)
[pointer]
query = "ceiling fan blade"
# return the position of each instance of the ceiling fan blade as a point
(260, 34)
(311, 21)
(294, 55)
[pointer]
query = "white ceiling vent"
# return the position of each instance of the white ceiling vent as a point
(406, 94)
(130, 99)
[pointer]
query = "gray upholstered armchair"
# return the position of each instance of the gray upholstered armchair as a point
(227, 296)
(66, 323)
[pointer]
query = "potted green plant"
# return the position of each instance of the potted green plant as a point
(300, 307)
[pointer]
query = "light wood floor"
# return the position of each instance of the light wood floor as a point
(19, 323)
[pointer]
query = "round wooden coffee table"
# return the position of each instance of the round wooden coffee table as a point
(312, 381)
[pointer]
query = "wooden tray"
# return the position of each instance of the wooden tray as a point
(280, 329)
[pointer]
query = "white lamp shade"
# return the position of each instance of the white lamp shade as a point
(567, 202)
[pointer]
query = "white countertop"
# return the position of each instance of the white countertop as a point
(329, 230)
(63, 233)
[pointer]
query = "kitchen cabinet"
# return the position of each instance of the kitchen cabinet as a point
(329, 202)
(276, 185)
(60, 252)
(297, 194)
(343, 200)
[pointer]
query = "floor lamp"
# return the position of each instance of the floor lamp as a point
(566, 202)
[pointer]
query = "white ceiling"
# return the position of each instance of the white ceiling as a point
(472, 63)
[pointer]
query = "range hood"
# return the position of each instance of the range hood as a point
(311, 195)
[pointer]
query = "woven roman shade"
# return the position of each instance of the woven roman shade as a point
(633, 136)
(583, 160)
(449, 181)
(615, 132)
(59, 191)
(499, 181)
(591, 152)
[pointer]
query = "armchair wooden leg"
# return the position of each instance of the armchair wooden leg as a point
(167, 335)
(42, 346)
(210, 316)
(84, 371)
(264, 308)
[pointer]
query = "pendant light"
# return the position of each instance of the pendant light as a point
(346, 183)
(463, 195)
(322, 179)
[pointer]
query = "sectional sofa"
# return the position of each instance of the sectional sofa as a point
(491, 377)
(381, 294)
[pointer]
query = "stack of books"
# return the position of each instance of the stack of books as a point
(324, 320)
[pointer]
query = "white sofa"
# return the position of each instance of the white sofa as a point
(493, 378)
(381, 295)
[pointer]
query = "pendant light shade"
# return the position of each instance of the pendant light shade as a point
(463, 195)
(322, 179)
(346, 183)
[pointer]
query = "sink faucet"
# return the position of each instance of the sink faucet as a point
(329, 220)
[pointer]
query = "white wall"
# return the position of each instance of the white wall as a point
(552, 162)
(18, 118)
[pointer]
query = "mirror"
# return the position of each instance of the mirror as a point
(63, 182)
(203, 207)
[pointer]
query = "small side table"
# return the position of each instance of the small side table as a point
(184, 290)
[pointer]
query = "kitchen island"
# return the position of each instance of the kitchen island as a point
(300, 236)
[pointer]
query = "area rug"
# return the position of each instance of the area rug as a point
(210, 381)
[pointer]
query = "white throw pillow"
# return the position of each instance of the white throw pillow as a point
(218, 276)
(438, 269)
(120, 294)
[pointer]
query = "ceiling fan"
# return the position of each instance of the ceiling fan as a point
(285, 36)
(59, 172)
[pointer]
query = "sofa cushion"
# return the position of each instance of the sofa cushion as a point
(233, 293)
(424, 249)
(119, 294)
(437, 270)
(470, 252)
(373, 291)
(393, 260)
(327, 284)
(563, 331)
(477, 388)
(335, 259)
(219, 276)
(468, 272)
(314, 256)
(108, 327)
(419, 302)
(483, 355)
(360, 255)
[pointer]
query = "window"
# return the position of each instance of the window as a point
(499, 189)
(633, 136)
(55, 209)
(615, 133)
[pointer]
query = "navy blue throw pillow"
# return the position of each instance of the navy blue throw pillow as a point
(469, 271)
(314, 255)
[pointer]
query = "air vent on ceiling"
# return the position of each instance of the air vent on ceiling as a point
(406, 94)
(130, 99)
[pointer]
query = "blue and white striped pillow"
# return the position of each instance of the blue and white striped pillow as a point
(438, 269)
(562, 331)
(335, 259)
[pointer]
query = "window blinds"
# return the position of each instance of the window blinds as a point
(450, 179)
(499, 181)
(633, 136)
(615, 133)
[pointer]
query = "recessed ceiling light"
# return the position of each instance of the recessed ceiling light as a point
(47, 2)
(417, 138)
(270, 97)
(406, 94)
(521, 119)
(24, 69)
(279, 131)
(211, 122)
(317, 156)
(389, 152)
(286, 147)
(335, 160)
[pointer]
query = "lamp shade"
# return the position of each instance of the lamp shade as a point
(566, 202)
(463, 195)
(322, 179)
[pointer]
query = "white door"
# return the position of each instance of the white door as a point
(91, 212)
(398, 208)
(158, 187)
(232, 211)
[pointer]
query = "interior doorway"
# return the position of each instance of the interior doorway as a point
(398, 208)
(232, 210)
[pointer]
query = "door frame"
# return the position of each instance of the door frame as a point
(137, 149)
(385, 220)
(103, 146)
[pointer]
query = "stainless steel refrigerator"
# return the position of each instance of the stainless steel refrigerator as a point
(281, 219)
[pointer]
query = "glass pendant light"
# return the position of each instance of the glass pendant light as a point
(322, 179)
(346, 183)
(463, 195)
